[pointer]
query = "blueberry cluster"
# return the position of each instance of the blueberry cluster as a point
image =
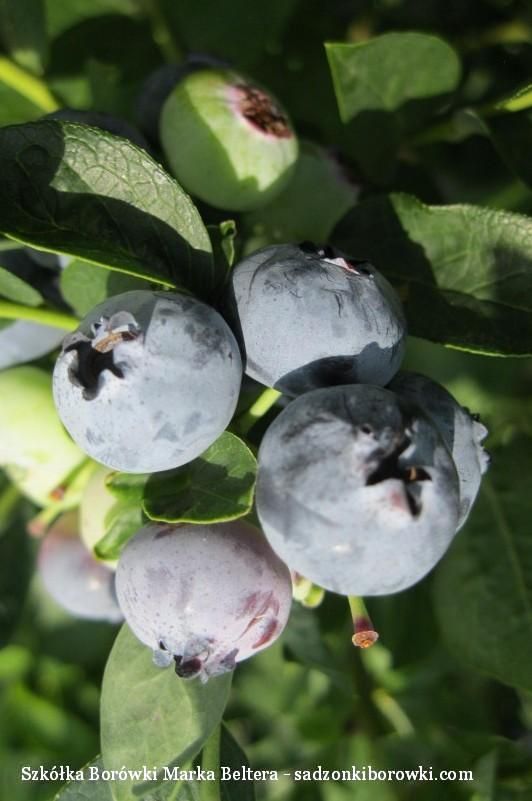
(364, 477)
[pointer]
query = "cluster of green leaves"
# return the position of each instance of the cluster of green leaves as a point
(429, 105)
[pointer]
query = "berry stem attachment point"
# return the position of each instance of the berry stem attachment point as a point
(262, 405)
(43, 316)
(365, 635)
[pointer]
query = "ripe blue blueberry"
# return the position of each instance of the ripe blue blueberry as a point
(205, 597)
(73, 577)
(461, 431)
(309, 317)
(148, 381)
(356, 491)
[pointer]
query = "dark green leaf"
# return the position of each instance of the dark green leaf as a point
(15, 108)
(234, 30)
(464, 272)
(151, 717)
(61, 15)
(84, 285)
(15, 572)
(303, 639)
(17, 290)
(387, 85)
(223, 247)
(512, 136)
(81, 191)
(23, 32)
(233, 757)
(215, 487)
(85, 56)
(483, 589)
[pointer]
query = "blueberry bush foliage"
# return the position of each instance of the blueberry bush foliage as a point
(414, 124)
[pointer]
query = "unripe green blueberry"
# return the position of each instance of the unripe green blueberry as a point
(35, 450)
(227, 141)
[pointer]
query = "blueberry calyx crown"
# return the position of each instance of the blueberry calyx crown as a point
(390, 468)
(95, 353)
(261, 111)
(331, 255)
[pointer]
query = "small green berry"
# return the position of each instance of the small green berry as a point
(227, 141)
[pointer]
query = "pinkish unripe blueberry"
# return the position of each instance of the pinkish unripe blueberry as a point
(205, 597)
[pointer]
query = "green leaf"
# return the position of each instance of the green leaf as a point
(17, 290)
(388, 71)
(88, 789)
(15, 572)
(61, 15)
(223, 238)
(126, 517)
(233, 32)
(215, 487)
(512, 136)
(387, 85)
(233, 757)
(151, 717)
(483, 589)
(23, 32)
(517, 101)
(464, 272)
(304, 641)
(122, 521)
(84, 192)
(15, 108)
(84, 285)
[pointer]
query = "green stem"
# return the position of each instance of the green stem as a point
(393, 712)
(357, 607)
(26, 84)
(263, 404)
(161, 32)
(73, 487)
(210, 760)
(15, 311)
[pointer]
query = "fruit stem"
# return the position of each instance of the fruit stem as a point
(161, 33)
(392, 711)
(210, 760)
(44, 316)
(263, 404)
(27, 85)
(71, 496)
(365, 634)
